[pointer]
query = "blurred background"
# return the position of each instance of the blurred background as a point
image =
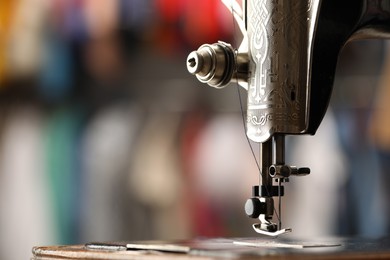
(104, 135)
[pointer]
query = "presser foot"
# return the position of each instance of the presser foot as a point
(258, 229)
(262, 208)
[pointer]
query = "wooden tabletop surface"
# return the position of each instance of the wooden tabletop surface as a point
(222, 248)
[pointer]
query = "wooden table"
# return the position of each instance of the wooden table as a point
(223, 248)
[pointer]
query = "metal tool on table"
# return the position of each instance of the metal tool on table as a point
(286, 62)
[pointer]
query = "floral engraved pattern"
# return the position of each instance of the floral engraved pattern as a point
(259, 120)
(259, 46)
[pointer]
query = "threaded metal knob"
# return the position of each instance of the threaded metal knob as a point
(212, 64)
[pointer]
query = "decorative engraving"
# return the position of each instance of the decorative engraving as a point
(309, 5)
(261, 120)
(278, 49)
(259, 46)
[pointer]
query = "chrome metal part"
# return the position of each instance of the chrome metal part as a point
(217, 64)
(258, 229)
(279, 146)
(271, 151)
(265, 164)
(281, 171)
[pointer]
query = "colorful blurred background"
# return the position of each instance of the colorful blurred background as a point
(104, 136)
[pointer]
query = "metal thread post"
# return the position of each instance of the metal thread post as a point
(265, 163)
(279, 144)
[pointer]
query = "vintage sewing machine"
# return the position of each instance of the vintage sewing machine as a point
(286, 62)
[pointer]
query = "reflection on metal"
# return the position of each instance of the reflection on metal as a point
(259, 230)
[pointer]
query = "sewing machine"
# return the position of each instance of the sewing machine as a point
(286, 62)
